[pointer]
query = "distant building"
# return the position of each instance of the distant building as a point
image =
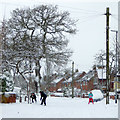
(76, 78)
(89, 81)
(83, 82)
(101, 77)
(56, 84)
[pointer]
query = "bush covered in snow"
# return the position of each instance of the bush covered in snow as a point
(97, 95)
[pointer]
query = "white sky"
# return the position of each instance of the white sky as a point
(91, 35)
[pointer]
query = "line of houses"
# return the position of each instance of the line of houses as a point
(82, 82)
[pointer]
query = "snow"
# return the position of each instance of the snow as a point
(77, 74)
(101, 73)
(7, 93)
(57, 80)
(60, 107)
(3, 76)
(69, 80)
(97, 94)
(17, 90)
(88, 76)
(58, 94)
(111, 93)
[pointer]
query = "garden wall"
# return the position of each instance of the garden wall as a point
(8, 97)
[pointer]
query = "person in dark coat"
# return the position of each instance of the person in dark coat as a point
(43, 98)
(33, 96)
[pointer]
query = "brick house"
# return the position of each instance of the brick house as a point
(83, 82)
(56, 84)
(59, 82)
(76, 77)
(89, 81)
(102, 79)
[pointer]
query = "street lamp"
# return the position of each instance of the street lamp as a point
(116, 67)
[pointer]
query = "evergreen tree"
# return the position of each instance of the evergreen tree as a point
(6, 82)
(3, 84)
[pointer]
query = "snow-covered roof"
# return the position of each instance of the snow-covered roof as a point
(57, 80)
(70, 79)
(75, 76)
(87, 76)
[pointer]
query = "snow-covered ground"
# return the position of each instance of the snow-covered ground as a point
(60, 107)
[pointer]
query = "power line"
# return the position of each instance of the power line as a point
(87, 18)
(80, 10)
(115, 17)
(76, 10)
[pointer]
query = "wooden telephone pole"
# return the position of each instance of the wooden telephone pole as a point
(107, 56)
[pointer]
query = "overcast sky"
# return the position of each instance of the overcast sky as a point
(91, 25)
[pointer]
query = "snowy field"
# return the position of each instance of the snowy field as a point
(60, 107)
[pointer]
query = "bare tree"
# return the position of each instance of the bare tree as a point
(35, 34)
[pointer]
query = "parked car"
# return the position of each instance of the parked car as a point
(97, 95)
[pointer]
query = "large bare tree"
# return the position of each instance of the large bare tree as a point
(32, 35)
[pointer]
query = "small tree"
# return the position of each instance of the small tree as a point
(3, 84)
(6, 82)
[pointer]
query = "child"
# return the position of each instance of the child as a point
(90, 98)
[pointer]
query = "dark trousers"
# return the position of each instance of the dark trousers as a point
(33, 100)
(43, 101)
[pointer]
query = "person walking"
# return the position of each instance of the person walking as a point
(43, 98)
(90, 98)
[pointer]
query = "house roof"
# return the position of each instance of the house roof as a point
(88, 76)
(57, 80)
(77, 74)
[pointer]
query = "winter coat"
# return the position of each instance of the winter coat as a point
(33, 96)
(90, 95)
(43, 95)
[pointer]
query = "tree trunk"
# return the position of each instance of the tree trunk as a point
(37, 72)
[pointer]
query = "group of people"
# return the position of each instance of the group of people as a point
(42, 98)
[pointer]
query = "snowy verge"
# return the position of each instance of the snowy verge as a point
(61, 107)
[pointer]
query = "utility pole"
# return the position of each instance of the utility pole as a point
(72, 79)
(116, 70)
(107, 55)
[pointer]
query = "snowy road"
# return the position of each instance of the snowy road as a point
(60, 107)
